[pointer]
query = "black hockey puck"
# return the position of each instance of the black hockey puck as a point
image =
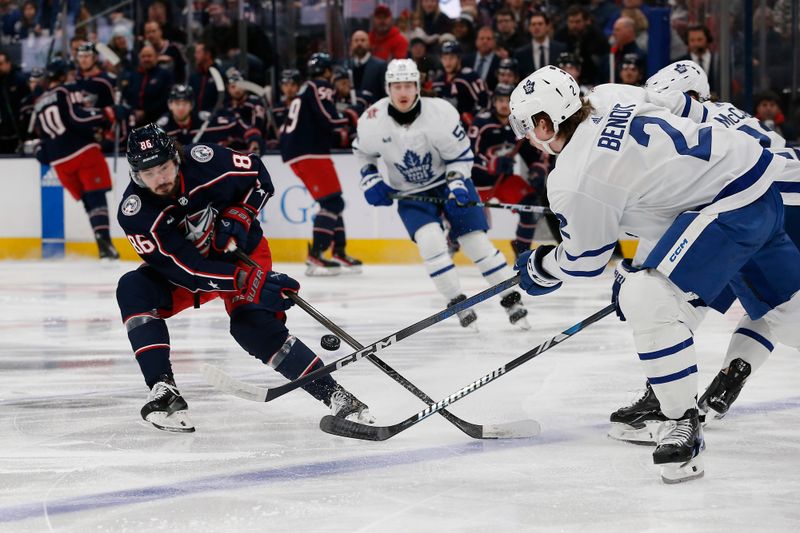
(330, 342)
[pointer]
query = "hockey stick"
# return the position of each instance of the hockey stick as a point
(520, 208)
(518, 429)
(220, 85)
(221, 380)
(354, 430)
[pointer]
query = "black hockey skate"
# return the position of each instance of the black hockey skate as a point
(316, 265)
(680, 444)
(466, 317)
(519, 247)
(166, 409)
(638, 423)
(106, 249)
(512, 303)
(349, 264)
(344, 405)
(725, 388)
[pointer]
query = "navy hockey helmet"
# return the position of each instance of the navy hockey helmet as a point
(568, 59)
(149, 146)
(318, 64)
(36, 74)
(340, 73)
(291, 75)
(181, 92)
(87, 47)
(510, 64)
(56, 69)
(503, 89)
(451, 47)
(234, 75)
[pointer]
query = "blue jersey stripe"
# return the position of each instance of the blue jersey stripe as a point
(493, 270)
(785, 186)
(748, 178)
(649, 356)
(458, 157)
(591, 253)
(756, 337)
(442, 271)
(659, 380)
(705, 114)
(687, 106)
(584, 274)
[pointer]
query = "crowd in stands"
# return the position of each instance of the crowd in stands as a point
(151, 75)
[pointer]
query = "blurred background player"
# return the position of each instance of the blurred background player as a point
(290, 83)
(69, 133)
(185, 208)
(508, 72)
(98, 88)
(248, 108)
(305, 141)
(631, 70)
(572, 65)
(496, 148)
(460, 86)
(426, 150)
(350, 103)
(187, 125)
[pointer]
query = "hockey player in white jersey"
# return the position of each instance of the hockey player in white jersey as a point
(427, 151)
(710, 222)
(752, 341)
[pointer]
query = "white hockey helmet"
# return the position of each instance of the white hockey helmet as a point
(549, 90)
(401, 70)
(683, 76)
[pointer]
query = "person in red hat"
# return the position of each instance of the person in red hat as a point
(386, 40)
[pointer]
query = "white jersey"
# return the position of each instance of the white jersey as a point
(728, 115)
(633, 169)
(417, 155)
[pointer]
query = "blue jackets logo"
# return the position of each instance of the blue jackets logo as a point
(415, 169)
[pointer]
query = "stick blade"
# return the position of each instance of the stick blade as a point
(521, 429)
(353, 430)
(226, 383)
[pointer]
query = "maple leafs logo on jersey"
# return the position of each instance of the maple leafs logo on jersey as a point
(680, 68)
(415, 169)
(528, 87)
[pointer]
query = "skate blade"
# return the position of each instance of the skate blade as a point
(351, 270)
(646, 436)
(674, 473)
(177, 422)
(522, 324)
(313, 270)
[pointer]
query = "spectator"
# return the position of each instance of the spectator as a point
(640, 25)
(427, 65)
(120, 44)
(11, 14)
(699, 40)
(434, 22)
(624, 43)
(13, 89)
(170, 57)
(464, 32)
(767, 107)
(484, 61)
(386, 40)
(368, 71)
(148, 88)
(27, 24)
(508, 34)
(159, 11)
(542, 50)
(631, 70)
(36, 87)
(222, 34)
(604, 13)
(201, 80)
(586, 41)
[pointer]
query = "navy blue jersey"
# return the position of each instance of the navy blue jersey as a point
(251, 112)
(64, 125)
(310, 122)
(223, 128)
(174, 234)
(492, 139)
(205, 91)
(351, 108)
(148, 90)
(97, 87)
(277, 117)
(466, 91)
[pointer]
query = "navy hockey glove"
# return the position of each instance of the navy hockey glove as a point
(265, 289)
(375, 189)
(624, 268)
(532, 277)
(457, 192)
(233, 225)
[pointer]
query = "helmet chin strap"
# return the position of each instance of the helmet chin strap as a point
(545, 144)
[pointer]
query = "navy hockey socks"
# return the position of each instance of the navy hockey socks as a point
(324, 228)
(150, 342)
(97, 208)
(295, 360)
(339, 237)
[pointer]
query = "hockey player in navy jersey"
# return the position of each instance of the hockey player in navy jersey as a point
(69, 133)
(186, 125)
(426, 151)
(495, 148)
(709, 218)
(98, 88)
(350, 103)
(248, 107)
(185, 208)
(305, 142)
(462, 87)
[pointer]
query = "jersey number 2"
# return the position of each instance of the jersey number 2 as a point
(702, 150)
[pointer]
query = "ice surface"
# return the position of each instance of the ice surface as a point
(77, 457)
